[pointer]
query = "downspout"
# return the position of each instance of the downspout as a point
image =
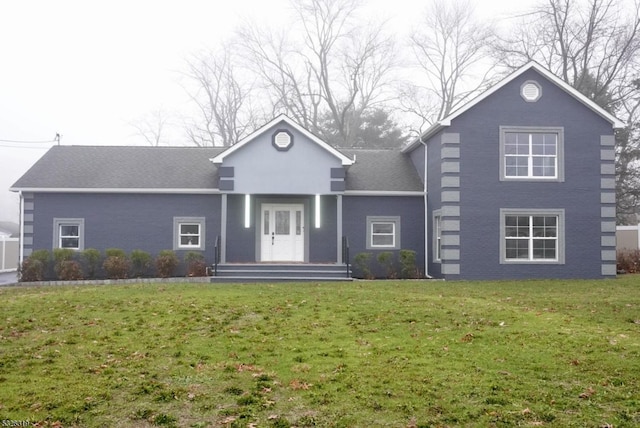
(426, 214)
(21, 215)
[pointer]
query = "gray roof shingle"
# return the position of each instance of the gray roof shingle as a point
(134, 167)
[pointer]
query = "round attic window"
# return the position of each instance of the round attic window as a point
(531, 91)
(282, 140)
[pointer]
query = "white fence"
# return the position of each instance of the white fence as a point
(628, 237)
(9, 253)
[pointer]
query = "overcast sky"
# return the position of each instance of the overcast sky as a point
(86, 69)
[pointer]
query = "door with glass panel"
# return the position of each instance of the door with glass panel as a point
(282, 234)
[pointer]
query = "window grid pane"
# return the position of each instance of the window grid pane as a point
(69, 236)
(531, 237)
(529, 155)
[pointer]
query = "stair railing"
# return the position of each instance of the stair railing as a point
(216, 256)
(345, 254)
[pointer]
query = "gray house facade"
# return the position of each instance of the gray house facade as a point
(519, 183)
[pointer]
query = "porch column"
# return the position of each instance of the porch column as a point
(223, 229)
(339, 227)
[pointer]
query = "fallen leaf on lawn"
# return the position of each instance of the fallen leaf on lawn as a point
(229, 419)
(526, 411)
(297, 385)
(272, 417)
(467, 337)
(588, 393)
(191, 396)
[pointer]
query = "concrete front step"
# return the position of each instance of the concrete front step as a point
(280, 272)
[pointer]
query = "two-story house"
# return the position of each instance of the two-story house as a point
(519, 183)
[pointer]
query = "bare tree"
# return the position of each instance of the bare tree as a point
(339, 67)
(592, 45)
(449, 47)
(152, 127)
(221, 96)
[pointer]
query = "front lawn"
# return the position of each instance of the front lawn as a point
(389, 353)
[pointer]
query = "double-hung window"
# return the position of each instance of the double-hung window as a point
(531, 153)
(532, 236)
(383, 232)
(188, 233)
(68, 233)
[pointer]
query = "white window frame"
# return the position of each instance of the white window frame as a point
(178, 222)
(394, 221)
(58, 223)
(558, 158)
(437, 236)
(559, 238)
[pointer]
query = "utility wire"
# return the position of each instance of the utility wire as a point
(28, 142)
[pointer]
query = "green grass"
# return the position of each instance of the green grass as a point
(399, 354)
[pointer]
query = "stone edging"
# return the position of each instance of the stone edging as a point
(199, 279)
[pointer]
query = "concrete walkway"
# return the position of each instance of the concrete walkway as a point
(7, 278)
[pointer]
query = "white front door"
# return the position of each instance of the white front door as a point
(282, 233)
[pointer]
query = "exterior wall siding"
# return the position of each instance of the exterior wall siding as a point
(482, 194)
(126, 221)
(411, 213)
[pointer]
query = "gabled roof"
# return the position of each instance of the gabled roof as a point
(133, 169)
(436, 127)
(125, 168)
(282, 118)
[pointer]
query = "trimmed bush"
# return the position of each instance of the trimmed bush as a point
(91, 257)
(62, 256)
(408, 268)
(116, 267)
(362, 262)
(31, 270)
(628, 261)
(196, 265)
(141, 261)
(44, 256)
(69, 270)
(166, 263)
(115, 252)
(386, 260)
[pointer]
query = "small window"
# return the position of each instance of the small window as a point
(68, 233)
(437, 237)
(383, 233)
(189, 233)
(530, 236)
(531, 154)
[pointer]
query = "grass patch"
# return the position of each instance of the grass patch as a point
(391, 353)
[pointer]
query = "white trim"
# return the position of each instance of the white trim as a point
(384, 193)
(21, 255)
(282, 118)
(615, 122)
(115, 190)
(317, 212)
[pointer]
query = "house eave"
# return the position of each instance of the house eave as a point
(184, 191)
(383, 193)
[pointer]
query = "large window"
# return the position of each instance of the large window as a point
(68, 233)
(530, 236)
(531, 153)
(188, 233)
(383, 233)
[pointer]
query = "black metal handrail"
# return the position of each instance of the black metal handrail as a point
(345, 254)
(216, 256)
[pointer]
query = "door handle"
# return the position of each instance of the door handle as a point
(273, 237)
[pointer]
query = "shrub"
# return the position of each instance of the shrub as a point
(141, 262)
(115, 252)
(628, 261)
(61, 256)
(31, 270)
(116, 267)
(196, 265)
(361, 262)
(166, 263)
(91, 257)
(387, 262)
(408, 266)
(44, 257)
(69, 270)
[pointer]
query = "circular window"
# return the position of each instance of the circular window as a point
(530, 91)
(282, 140)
